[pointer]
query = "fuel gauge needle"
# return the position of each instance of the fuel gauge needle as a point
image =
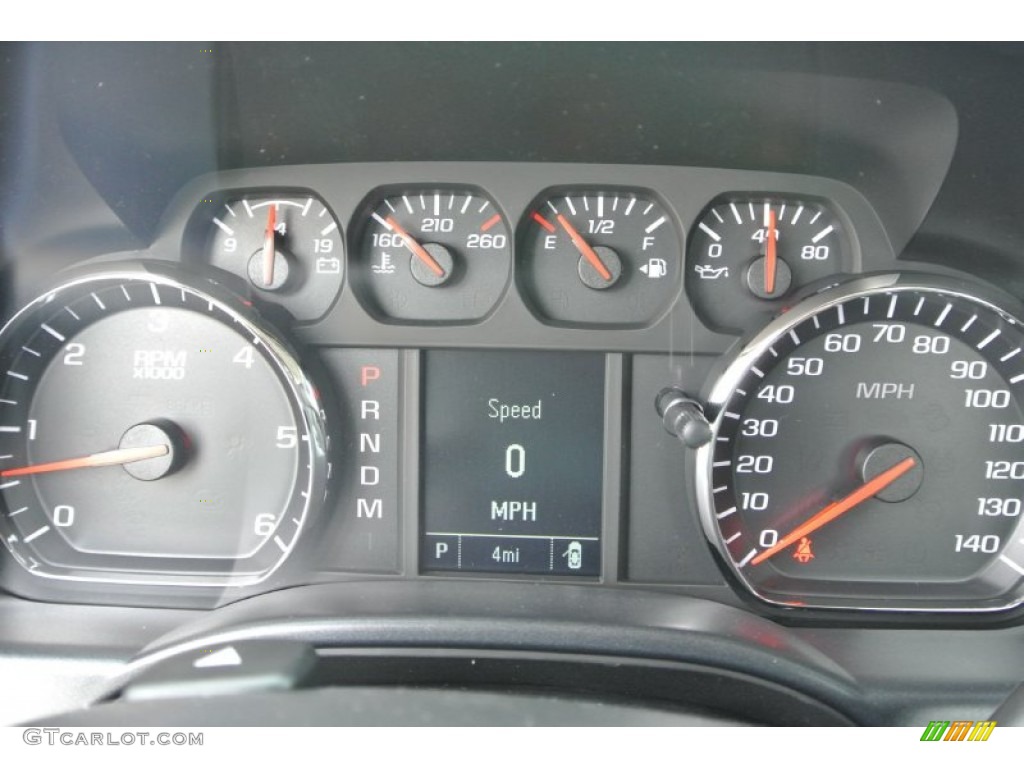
(104, 459)
(418, 250)
(269, 247)
(875, 485)
(585, 250)
(771, 262)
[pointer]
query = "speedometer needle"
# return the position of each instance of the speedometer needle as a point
(104, 459)
(770, 259)
(584, 248)
(418, 250)
(269, 249)
(837, 508)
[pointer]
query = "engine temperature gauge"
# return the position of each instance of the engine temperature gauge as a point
(431, 254)
(600, 258)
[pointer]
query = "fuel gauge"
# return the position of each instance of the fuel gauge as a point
(599, 258)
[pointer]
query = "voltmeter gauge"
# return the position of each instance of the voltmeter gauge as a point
(287, 246)
(431, 254)
(599, 258)
(748, 254)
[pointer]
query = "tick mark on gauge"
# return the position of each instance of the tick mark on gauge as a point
(36, 534)
(543, 222)
(710, 232)
(492, 221)
(655, 225)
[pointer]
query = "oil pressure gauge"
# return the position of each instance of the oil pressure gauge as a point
(748, 254)
(599, 258)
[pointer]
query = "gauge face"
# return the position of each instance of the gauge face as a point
(603, 258)
(867, 452)
(151, 434)
(288, 246)
(432, 255)
(746, 254)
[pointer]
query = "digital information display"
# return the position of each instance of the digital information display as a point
(513, 450)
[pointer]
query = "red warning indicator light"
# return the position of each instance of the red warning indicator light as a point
(803, 552)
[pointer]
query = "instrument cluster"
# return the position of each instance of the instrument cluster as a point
(433, 370)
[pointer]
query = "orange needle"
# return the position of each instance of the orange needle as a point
(269, 251)
(418, 250)
(837, 508)
(105, 459)
(770, 259)
(585, 249)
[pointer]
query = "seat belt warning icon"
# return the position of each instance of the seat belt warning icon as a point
(803, 552)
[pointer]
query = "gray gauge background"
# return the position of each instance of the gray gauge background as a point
(148, 350)
(460, 227)
(228, 229)
(515, 187)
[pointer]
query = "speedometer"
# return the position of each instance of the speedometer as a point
(867, 451)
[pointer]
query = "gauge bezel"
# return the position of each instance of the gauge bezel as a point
(525, 256)
(198, 237)
(737, 365)
(359, 229)
(300, 391)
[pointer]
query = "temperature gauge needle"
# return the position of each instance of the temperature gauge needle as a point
(584, 248)
(771, 262)
(104, 459)
(269, 249)
(835, 509)
(418, 250)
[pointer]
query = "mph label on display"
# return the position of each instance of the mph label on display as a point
(512, 474)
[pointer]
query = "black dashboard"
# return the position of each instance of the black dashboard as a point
(683, 376)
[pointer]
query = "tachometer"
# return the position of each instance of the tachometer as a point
(867, 451)
(152, 432)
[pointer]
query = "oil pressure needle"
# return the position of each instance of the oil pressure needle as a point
(104, 459)
(585, 250)
(876, 485)
(770, 258)
(269, 249)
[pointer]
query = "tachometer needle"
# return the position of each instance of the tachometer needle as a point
(418, 250)
(269, 247)
(837, 508)
(770, 258)
(104, 459)
(584, 248)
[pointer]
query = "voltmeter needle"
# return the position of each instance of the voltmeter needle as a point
(269, 247)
